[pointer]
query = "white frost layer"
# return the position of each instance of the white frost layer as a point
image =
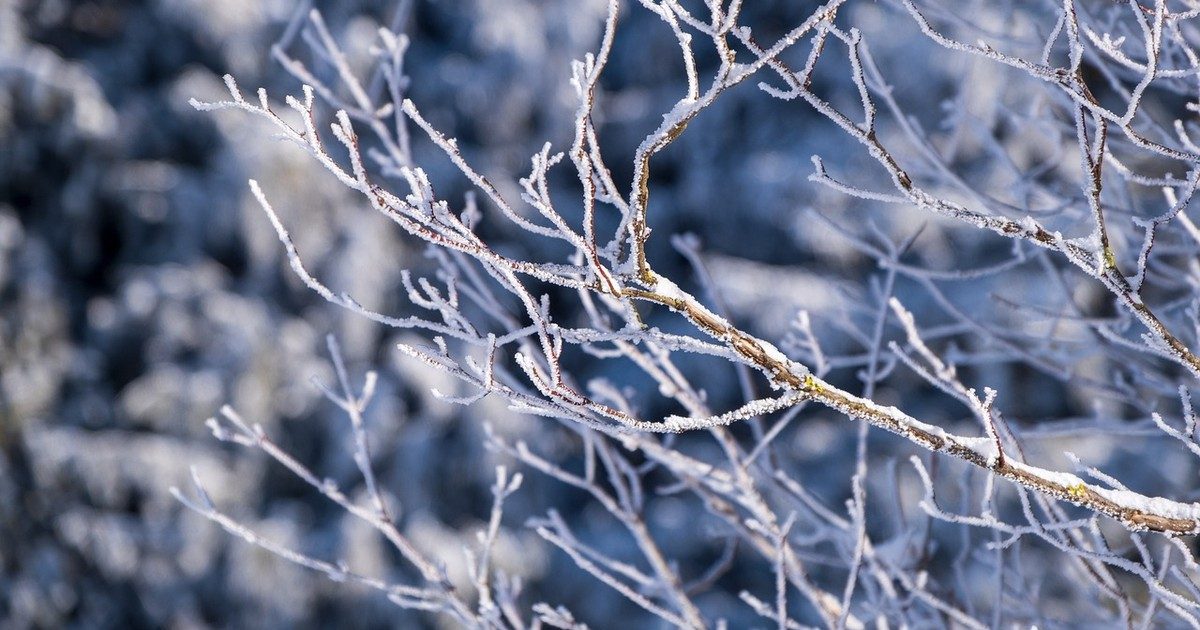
(775, 353)
(984, 446)
(1066, 480)
(1124, 498)
(906, 421)
(1151, 505)
(671, 291)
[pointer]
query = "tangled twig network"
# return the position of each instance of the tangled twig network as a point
(1103, 77)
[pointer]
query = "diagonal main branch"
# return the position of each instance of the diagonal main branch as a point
(1136, 511)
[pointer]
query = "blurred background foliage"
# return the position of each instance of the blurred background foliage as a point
(140, 289)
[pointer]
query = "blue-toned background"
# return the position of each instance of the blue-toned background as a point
(141, 288)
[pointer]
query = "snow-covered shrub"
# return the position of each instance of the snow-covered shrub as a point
(938, 375)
